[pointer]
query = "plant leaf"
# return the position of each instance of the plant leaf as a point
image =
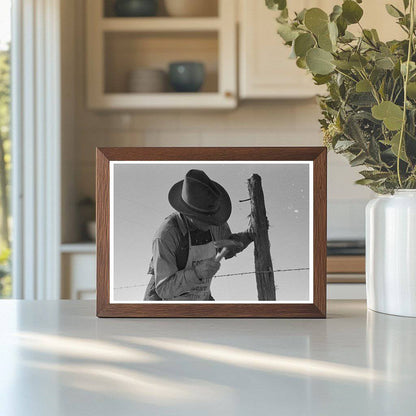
(276, 4)
(324, 42)
(412, 67)
(411, 90)
(316, 20)
(375, 35)
(343, 145)
(347, 37)
(375, 175)
(391, 114)
(301, 63)
(393, 11)
(300, 16)
(286, 32)
(358, 61)
(321, 79)
(394, 144)
(385, 63)
(341, 64)
(336, 12)
(361, 99)
(358, 160)
(342, 25)
(364, 181)
(303, 43)
(351, 11)
(363, 86)
(319, 61)
(374, 150)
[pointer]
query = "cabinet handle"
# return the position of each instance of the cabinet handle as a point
(228, 94)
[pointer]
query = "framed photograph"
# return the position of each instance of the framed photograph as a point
(211, 232)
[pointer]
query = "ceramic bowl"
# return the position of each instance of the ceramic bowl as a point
(186, 76)
(147, 80)
(135, 8)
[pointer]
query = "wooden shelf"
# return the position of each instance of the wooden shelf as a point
(346, 269)
(346, 264)
(159, 24)
(81, 247)
(128, 101)
(116, 46)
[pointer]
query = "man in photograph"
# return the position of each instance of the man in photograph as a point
(188, 246)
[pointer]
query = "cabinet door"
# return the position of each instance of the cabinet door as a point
(78, 276)
(265, 68)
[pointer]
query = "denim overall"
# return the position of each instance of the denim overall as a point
(196, 254)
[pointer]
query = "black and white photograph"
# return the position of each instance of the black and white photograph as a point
(199, 231)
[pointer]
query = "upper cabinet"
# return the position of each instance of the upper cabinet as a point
(264, 65)
(128, 58)
(265, 70)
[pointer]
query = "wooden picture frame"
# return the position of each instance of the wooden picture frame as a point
(315, 308)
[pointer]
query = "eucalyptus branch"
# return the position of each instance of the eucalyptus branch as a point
(392, 90)
(406, 80)
(346, 75)
(363, 62)
(373, 89)
(369, 41)
(397, 95)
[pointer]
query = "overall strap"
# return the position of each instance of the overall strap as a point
(182, 250)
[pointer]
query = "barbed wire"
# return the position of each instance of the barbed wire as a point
(229, 275)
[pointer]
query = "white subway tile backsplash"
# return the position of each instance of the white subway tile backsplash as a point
(149, 120)
(173, 138)
(271, 123)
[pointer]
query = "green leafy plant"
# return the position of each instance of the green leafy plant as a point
(369, 113)
(5, 271)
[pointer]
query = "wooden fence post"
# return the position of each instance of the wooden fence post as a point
(259, 226)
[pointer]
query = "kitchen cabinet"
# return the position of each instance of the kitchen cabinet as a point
(118, 45)
(78, 262)
(265, 70)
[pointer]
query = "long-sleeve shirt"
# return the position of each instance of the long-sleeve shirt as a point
(170, 250)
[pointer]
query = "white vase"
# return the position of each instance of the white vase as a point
(391, 253)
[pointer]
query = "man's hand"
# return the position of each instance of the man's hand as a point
(205, 269)
(228, 248)
(232, 245)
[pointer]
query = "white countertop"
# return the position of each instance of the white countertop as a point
(58, 359)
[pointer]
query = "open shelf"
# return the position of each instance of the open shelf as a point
(130, 101)
(116, 46)
(160, 24)
(127, 51)
(80, 247)
(108, 9)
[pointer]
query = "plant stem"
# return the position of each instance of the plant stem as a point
(406, 79)
(345, 75)
(373, 90)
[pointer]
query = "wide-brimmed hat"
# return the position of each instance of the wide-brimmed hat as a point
(200, 197)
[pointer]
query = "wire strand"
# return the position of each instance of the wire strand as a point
(229, 275)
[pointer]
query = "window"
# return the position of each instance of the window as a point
(5, 145)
